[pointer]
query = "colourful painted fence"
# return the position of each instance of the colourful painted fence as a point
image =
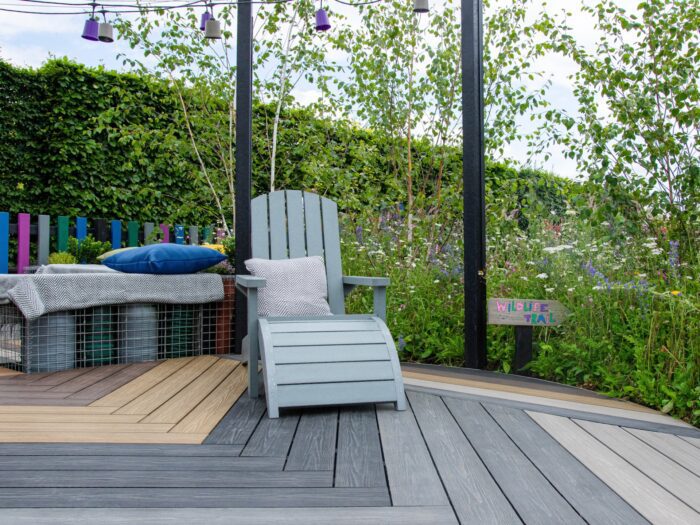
(47, 235)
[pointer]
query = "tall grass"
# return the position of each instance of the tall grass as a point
(634, 327)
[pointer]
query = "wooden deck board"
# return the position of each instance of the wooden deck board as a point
(475, 496)
(195, 479)
(166, 389)
(273, 437)
(653, 502)
(666, 472)
(141, 384)
(239, 423)
(136, 462)
(114, 381)
(239, 516)
(74, 446)
(89, 378)
(591, 498)
(533, 497)
(205, 416)
(672, 446)
(413, 479)
(180, 404)
(359, 460)
(313, 447)
(187, 497)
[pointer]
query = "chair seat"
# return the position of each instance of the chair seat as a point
(330, 360)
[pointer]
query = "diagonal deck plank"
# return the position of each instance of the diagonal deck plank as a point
(666, 472)
(168, 387)
(239, 423)
(475, 496)
(205, 416)
(89, 378)
(413, 479)
(672, 446)
(141, 384)
(530, 493)
(180, 404)
(591, 498)
(111, 383)
(653, 502)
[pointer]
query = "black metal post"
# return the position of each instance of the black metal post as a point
(473, 177)
(523, 348)
(244, 151)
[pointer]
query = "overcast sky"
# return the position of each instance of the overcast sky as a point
(29, 40)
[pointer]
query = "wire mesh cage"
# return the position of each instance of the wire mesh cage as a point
(115, 334)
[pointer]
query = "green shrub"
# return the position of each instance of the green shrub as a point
(87, 250)
(62, 258)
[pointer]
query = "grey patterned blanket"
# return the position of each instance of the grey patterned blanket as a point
(36, 295)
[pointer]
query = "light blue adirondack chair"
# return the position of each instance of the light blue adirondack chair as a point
(332, 360)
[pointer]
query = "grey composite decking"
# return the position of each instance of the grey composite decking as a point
(449, 458)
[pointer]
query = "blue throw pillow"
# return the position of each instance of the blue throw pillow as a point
(164, 258)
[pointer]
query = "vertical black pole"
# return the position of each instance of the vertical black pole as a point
(523, 348)
(244, 150)
(473, 177)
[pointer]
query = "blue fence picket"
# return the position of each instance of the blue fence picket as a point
(116, 234)
(80, 228)
(4, 242)
(179, 234)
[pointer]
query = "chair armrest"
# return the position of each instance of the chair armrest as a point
(248, 285)
(365, 281)
(247, 282)
(378, 284)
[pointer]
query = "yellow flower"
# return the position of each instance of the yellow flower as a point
(675, 292)
(218, 247)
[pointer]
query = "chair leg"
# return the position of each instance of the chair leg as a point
(273, 412)
(401, 403)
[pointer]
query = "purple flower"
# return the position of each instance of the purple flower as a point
(673, 257)
(358, 234)
(402, 343)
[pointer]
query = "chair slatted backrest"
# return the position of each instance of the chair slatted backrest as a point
(290, 224)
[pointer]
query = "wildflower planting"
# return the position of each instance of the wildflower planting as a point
(634, 299)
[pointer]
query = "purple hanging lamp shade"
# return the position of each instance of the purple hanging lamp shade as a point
(206, 15)
(322, 22)
(91, 30)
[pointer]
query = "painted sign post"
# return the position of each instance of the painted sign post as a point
(524, 314)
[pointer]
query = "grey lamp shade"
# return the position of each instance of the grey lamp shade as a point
(106, 33)
(421, 6)
(212, 29)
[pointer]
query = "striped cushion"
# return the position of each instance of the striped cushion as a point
(295, 287)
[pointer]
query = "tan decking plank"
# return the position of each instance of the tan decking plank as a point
(111, 383)
(165, 438)
(563, 396)
(58, 378)
(6, 372)
(87, 379)
(650, 499)
(141, 384)
(215, 406)
(63, 417)
(178, 406)
(84, 427)
(48, 409)
(163, 391)
(653, 417)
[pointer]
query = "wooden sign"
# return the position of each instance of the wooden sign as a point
(526, 312)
